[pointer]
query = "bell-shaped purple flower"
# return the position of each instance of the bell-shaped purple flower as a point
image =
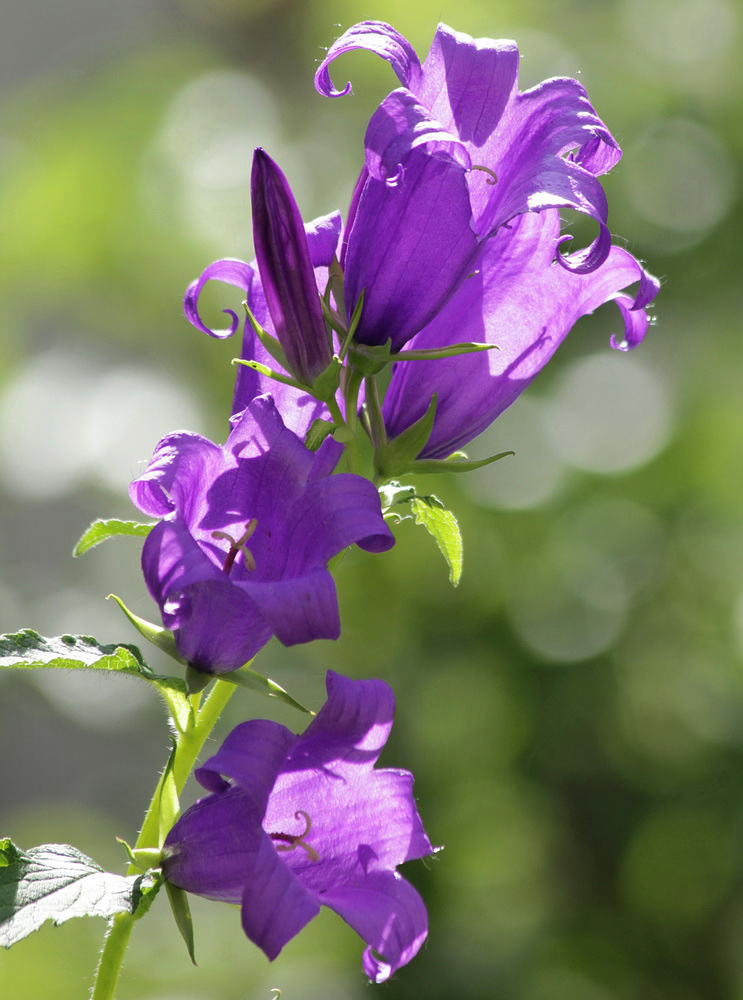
(246, 534)
(293, 823)
(286, 271)
(452, 157)
(526, 304)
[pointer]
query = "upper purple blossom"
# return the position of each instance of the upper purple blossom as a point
(295, 822)
(452, 156)
(246, 533)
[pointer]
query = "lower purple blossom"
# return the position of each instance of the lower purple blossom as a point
(293, 823)
(246, 534)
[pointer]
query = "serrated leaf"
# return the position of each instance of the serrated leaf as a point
(57, 882)
(103, 529)
(441, 524)
(27, 650)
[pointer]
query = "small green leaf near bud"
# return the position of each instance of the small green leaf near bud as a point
(441, 524)
(103, 529)
(369, 359)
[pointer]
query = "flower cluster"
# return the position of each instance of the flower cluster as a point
(452, 267)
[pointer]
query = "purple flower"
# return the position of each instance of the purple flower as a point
(454, 227)
(295, 822)
(245, 537)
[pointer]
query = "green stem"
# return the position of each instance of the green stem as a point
(353, 452)
(189, 744)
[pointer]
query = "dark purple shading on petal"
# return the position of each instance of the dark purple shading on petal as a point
(252, 755)
(377, 37)
(526, 304)
(286, 271)
(411, 247)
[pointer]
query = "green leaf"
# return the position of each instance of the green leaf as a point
(100, 530)
(245, 677)
(163, 638)
(182, 913)
(441, 524)
(27, 650)
(393, 493)
(56, 882)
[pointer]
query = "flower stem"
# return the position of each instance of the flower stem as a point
(189, 744)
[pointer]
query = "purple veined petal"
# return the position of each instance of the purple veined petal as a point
(275, 904)
(401, 123)
(252, 756)
(351, 214)
(357, 519)
(522, 301)
(286, 271)
(548, 138)
(158, 490)
(377, 37)
(467, 83)
(232, 272)
(207, 850)
(351, 728)
(297, 609)
(172, 561)
(411, 247)
(220, 629)
(357, 820)
(389, 914)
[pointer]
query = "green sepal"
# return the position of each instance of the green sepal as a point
(326, 384)
(441, 524)
(163, 638)
(336, 285)
(102, 529)
(398, 455)
(181, 910)
(271, 344)
(318, 431)
(436, 353)
(332, 318)
(369, 359)
(57, 882)
(435, 465)
(247, 678)
(270, 373)
(147, 892)
(196, 680)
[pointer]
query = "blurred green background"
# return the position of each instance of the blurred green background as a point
(574, 711)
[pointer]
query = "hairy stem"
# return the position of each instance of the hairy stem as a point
(189, 744)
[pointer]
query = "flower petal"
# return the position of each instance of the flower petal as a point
(179, 464)
(526, 305)
(232, 272)
(468, 82)
(377, 37)
(356, 518)
(299, 609)
(207, 850)
(402, 123)
(275, 904)
(252, 756)
(389, 914)
(411, 247)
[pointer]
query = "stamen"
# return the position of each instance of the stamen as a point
(238, 546)
(290, 840)
(493, 179)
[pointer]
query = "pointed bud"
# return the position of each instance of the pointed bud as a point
(286, 271)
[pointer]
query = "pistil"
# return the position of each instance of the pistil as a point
(288, 841)
(238, 546)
